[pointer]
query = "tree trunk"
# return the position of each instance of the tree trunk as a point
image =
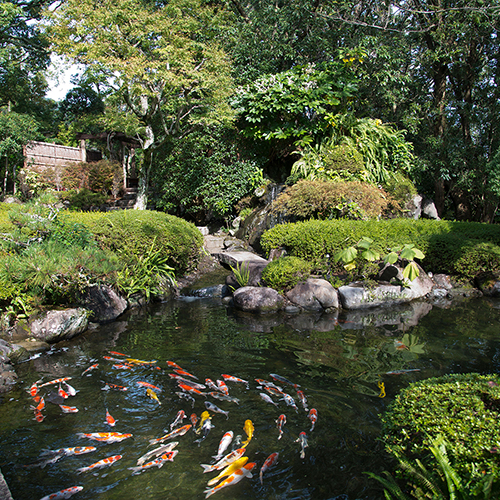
(141, 202)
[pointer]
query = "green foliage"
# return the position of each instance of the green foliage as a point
(83, 199)
(400, 188)
(129, 233)
(284, 273)
(206, 172)
(103, 176)
(72, 233)
(242, 274)
(446, 244)
(464, 409)
(332, 200)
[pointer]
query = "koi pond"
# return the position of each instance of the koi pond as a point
(349, 367)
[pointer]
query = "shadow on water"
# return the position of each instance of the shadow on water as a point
(341, 362)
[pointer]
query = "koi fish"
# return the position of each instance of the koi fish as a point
(164, 448)
(140, 361)
(61, 392)
(203, 417)
(114, 353)
(280, 423)
(108, 386)
(56, 381)
(230, 378)
(303, 399)
(229, 470)
(224, 462)
(210, 383)
(70, 389)
(121, 366)
(39, 416)
(234, 478)
(173, 365)
(109, 358)
(274, 390)
(248, 428)
(205, 429)
(290, 401)
(102, 463)
(43, 461)
(223, 397)
(180, 371)
(33, 390)
(187, 397)
(210, 406)
(186, 381)
(178, 419)
(190, 389)
(79, 450)
(270, 460)
(109, 419)
(193, 419)
(152, 395)
(178, 432)
(68, 409)
(40, 406)
(302, 439)
(283, 380)
(313, 417)
(151, 386)
(267, 399)
(222, 387)
(66, 493)
(90, 368)
(105, 437)
(381, 386)
(265, 383)
(224, 445)
(157, 462)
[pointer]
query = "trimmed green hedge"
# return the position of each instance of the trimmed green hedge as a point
(463, 408)
(457, 248)
(284, 273)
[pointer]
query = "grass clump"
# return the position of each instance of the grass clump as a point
(284, 273)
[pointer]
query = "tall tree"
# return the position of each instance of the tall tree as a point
(162, 59)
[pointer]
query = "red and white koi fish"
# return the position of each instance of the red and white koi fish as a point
(173, 365)
(33, 390)
(157, 462)
(39, 416)
(303, 399)
(40, 406)
(180, 371)
(267, 399)
(222, 387)
(274, 390)
(56, 381)
(70, 389)
(90, 368)
(108, 386)
(121, 366)
(151, 386)
(302, 439)
(161, 450)
(211, 384)
(61, 392)
(102, 463)
(178, 432)
(193, 419)
(187, 382)
(105, 437)
(66, 493)
(313, 417)
(109, 358)
(283, 380)
(178, 419)
(234, 478)
(280, 423)
(114, 353)
(230, 378)
(270, 460)
(237, 464)
(109, 419)
(189, 389)
(68, 409)
(224, 462)
(290, 401)
(224, 445)
(266, 383)
(79, 450)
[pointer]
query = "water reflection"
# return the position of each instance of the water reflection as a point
(340, 362)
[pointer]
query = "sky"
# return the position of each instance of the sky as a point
(59, 78)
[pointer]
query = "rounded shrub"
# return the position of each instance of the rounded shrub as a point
(284, 273)
(462, 408)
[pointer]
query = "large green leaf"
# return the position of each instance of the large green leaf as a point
(411, 271)
(346, 255)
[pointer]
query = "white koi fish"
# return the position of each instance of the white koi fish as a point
(66, 493)
(157, 462)
(224, 445)
(178, 419)
(165, 448)
(302, 439)
(210, 406)
(224, 462)
(267, 399)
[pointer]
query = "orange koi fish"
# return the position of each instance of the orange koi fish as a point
(222, 387)
(281, 422)
(101, 463)
(313, 417)
(237, 464)
(114, 353)
(193, 419)
(105, 437)
(190, 389)
(180, 371)
(173, 365)
(178, 419)
(90, 368)
(302, 439)
(224, 462)
(157, 462)
(33, 390)
(56, 381)
(109, 419)
(108, 386)
(109, 358)
(40, 406)
(66, 493)
(121, 366)
(179, 379)
(62, 392)
(274, 390)
(151, 386)
(178, 432)
(68, 409)
(303, 399)
(270, 460)
(234, 478)
(39, 416)
(230, 378)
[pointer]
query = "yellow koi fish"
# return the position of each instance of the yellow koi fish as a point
(229, 470)
(381, 386)
(203, 417)
(140, 362)
(152, 395)
(234, 478)
(248, 428)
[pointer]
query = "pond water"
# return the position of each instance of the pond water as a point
(340, 363)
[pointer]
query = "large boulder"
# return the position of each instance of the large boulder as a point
(314, 295)
(257, 299)
(104, 303)
(8, 376)
(54, 326)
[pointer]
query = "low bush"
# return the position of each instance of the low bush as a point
(462, 408)
(83, 199)
(104, 176)
(284, 273)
